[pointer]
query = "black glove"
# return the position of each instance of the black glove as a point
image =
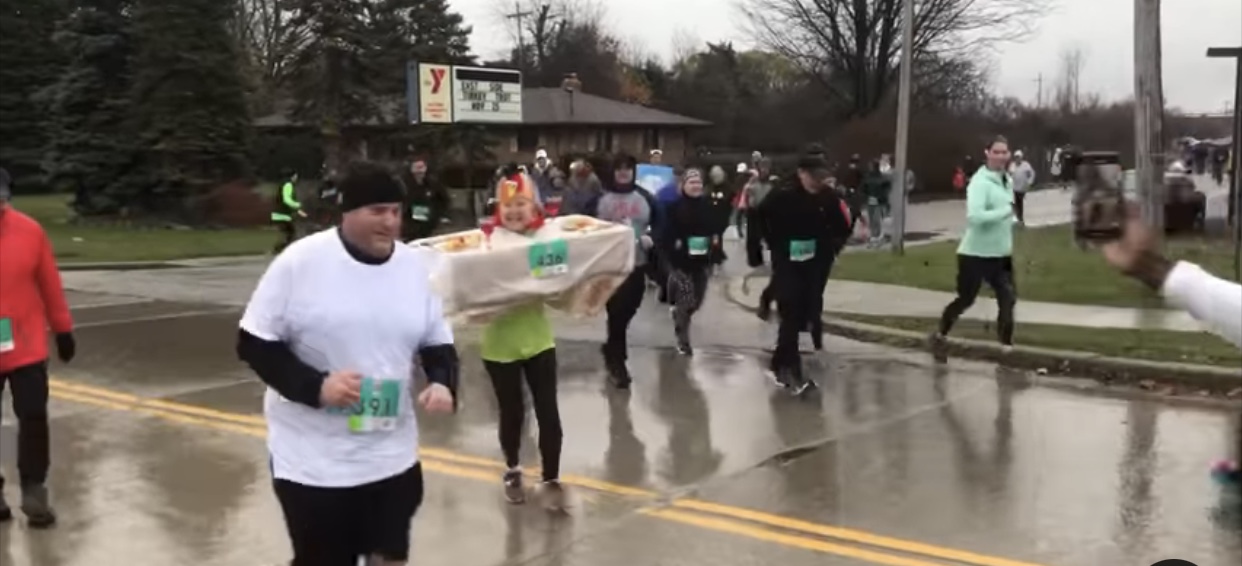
(66, 347)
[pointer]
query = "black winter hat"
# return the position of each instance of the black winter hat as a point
(624, 161)
(367, 183)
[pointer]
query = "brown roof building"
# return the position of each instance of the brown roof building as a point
(556, 119)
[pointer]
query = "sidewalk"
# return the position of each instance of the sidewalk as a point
(852, 297)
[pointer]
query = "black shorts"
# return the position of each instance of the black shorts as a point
(334, 526)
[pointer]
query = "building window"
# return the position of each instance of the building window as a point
(603, 140)
(527, 139)
(651, 139)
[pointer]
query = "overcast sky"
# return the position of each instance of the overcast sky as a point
(1192, 82)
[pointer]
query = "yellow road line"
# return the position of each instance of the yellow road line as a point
(727, 526)
(850, 535)
(742, 529)
(450, 463)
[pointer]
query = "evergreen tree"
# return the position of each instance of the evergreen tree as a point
(331, 78)
(420, 30)
(90, 145)
(189, 102)
(29, 62)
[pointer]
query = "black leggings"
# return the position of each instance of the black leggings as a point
(540, 374)
(287, 235)
(972, 271)
(621, 308)
(1019, 206)
(686, 289)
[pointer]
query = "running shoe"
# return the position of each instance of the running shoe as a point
(939, 347)
(39, 513)
(514, 492)
(553, 496)
(618, 374)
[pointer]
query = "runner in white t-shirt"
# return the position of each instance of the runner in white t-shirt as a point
(334, 329)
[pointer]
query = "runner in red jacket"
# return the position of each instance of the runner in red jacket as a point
(31, 300)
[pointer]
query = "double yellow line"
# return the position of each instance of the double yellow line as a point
(716, 517)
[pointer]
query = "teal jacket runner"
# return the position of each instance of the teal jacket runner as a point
(989, 215)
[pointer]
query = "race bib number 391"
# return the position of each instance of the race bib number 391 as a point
(378, 407)
(549, 259)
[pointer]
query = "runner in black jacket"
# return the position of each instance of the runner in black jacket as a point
(805, 229)
(691, 231)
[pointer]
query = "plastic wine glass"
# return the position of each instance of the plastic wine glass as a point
(487, 225)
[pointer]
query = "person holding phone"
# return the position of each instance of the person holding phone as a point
(985, 253)
(1214, 301)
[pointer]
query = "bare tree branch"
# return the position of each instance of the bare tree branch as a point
(853, 47)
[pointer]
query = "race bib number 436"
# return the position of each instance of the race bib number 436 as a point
(549, 259)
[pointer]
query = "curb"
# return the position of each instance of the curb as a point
(1106, 369)
(119, 265)
(211, 261)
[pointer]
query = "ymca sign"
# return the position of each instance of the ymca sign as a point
(447, 94)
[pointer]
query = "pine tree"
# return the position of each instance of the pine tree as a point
(29, 62)
(331, 77)
(90, 145)
(189, 102)
(420, 30)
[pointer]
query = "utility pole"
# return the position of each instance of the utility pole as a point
(900, 194)
(518, 15)
(1149, 112)
(1235, 190)
(1039, 98)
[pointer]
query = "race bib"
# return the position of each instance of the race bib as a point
(801, 250)
(549, 259)
(6, 335)
(697, 245)
(420, 213)
(873, 201)
(379, 405)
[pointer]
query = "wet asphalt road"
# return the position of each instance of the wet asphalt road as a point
(159, 457)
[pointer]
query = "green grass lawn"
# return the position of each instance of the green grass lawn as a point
(1048, 267)
(76, 244)
(1158, 345)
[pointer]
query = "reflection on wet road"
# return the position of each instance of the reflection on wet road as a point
(159, 459)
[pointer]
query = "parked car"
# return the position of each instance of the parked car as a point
(1185, 206)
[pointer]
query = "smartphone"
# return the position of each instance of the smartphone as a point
(1099, 197)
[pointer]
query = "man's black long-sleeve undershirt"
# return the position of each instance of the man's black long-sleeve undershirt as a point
(295, 380)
